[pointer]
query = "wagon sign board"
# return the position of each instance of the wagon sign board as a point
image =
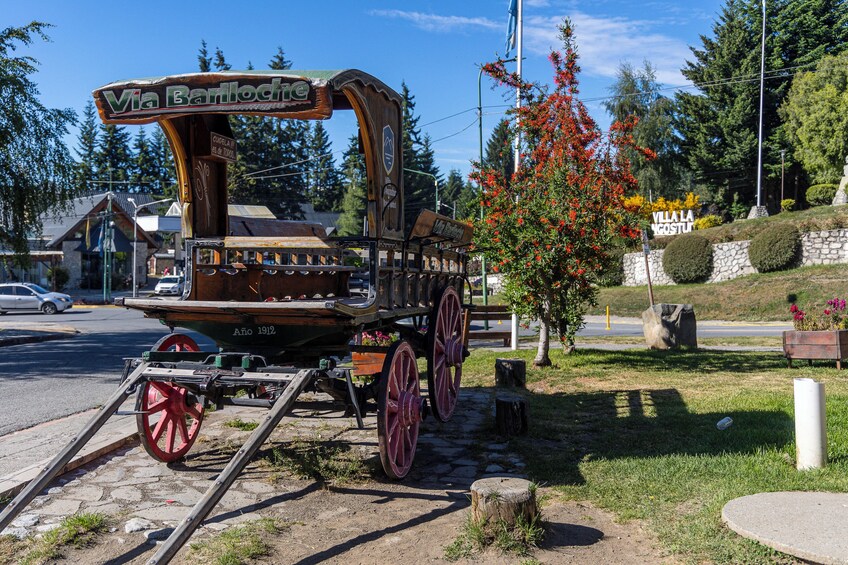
(193, 94)
(222, 147)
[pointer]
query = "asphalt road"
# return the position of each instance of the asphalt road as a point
(44, 381)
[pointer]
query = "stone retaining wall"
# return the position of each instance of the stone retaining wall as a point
(730, 260)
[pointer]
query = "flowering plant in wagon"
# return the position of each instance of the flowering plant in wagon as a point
(832, 317)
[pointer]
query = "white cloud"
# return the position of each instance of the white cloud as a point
(434, 22)
(603, 43)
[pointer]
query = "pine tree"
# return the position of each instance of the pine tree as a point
(449, 195)
(636, 93)
(144, 172)
(500, 152)
(220, 62)
(113, 160)
(279, 62)
(468, 202)
(355, 201)
(164, 176)
(204, 61)
(87, 148)
(419, 189)
(325, 186)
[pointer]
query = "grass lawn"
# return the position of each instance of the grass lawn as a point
(634, 432)
(760, 297)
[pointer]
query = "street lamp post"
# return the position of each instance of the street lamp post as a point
(435, 183)
(136, 208)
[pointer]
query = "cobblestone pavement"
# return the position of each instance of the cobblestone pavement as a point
(145, 499)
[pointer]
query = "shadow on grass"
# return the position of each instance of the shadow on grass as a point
(639, 423)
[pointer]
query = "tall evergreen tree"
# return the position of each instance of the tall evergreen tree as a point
(87, 148)
(144, 172)
(220, 62)
(500, 152)
(164, 175)
(355, 201)
(113, 160)
(325, 187)
(636, 93)
(204, 61)
(419, 186)
(468, 202)
(278, 61)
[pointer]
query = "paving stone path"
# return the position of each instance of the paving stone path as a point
(146, 499)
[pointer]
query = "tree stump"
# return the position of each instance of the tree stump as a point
(510, 373)
(511, 415)
(503, 499)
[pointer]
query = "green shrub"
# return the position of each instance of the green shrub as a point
(775, 248)
(61, 276)
(787, 205)
(709, 221)
(688, 259)
(821, 194)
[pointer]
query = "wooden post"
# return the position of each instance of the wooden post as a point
(647, 251)
(510, 373)
(503, 499)
(511, 415)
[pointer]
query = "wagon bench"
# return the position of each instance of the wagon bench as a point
(276, 296)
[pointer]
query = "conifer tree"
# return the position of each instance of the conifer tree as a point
(500, 153)
(87, 148)
(419, 189)
(204, 61)
(355, 201)
(143, 177)
(113, 160)
(164, 176)
(220, 62)
(325, 187)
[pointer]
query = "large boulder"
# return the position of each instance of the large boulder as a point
(668, 326)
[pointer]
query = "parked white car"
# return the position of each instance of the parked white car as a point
(169, 286)
(17, 297)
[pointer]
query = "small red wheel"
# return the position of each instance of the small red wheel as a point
(445, 354)
(169, 437)
(400, 409)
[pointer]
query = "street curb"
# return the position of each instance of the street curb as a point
(34, 338)
(11, 485)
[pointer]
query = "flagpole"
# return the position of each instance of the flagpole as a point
(519, 37)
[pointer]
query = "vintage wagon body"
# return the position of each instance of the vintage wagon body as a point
(277, 296)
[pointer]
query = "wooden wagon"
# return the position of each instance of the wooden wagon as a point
(278, 296)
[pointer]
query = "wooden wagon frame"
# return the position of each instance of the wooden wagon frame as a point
(276, 296)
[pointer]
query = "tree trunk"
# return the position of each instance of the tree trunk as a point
(542, 358)
(503, 499)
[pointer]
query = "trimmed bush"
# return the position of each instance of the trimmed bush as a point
(688, 259)
(821, 194)
(705, 222)
(775, 248)
(787, 205)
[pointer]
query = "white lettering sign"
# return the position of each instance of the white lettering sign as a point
(673, 223)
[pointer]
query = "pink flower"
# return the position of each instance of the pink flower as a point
(827, 312)
(793, 308)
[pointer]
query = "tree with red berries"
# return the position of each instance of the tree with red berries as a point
(549, 226)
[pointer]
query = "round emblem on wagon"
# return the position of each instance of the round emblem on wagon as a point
(388, 149)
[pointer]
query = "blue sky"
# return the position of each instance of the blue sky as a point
(435, 46)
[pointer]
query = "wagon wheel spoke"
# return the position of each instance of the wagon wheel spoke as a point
(157, 406)
(164, 389)
(183, 431)
(170, 436)
(194, 412)
(164, 419)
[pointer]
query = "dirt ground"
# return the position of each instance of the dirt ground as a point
(364, 520)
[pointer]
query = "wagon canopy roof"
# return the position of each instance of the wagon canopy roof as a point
(311, 94)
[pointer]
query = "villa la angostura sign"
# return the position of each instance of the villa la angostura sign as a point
(199, 93)
(673, 223)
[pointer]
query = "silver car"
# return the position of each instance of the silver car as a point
(15, 297)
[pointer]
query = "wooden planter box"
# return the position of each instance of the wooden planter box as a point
(367, 363)
(816, 345)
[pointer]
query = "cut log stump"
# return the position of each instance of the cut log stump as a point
(511, 417)
(504, 499)
(510, 373)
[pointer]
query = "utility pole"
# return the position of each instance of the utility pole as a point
(760, 144)
(106, 250)
(782, 156)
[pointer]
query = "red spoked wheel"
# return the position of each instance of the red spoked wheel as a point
(168, 416)
(445, 354)
(400, 410)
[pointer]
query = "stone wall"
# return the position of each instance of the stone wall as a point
(730, 260)
(72, 260)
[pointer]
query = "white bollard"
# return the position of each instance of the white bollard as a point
(810, 425)
(514, 333)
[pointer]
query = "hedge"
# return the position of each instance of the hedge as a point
(775, 248)
(821, 194)
(688, 259)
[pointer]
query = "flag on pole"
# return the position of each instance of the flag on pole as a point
(100, 248)
(511, 26)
